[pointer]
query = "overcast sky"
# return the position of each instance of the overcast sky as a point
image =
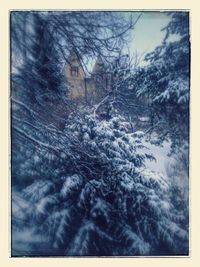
(146, 36)
(147, 33)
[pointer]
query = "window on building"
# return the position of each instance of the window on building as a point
(74, 71)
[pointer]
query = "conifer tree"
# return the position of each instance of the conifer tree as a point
(165, 80)
(94, 195)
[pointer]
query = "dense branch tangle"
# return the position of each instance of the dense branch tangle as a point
(86, 185)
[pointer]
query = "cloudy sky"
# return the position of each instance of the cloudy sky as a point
(147, 33)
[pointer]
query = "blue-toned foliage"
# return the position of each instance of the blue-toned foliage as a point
(80, 185)
(165, 81)
(95, 196)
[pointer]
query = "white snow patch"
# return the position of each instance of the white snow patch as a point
(161, 155)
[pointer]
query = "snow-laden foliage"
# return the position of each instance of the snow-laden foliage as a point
(80, 185)
(165, 81)
(91, 194)
(115, 86)
(42, 42)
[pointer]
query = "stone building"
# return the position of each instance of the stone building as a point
(85, 88)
